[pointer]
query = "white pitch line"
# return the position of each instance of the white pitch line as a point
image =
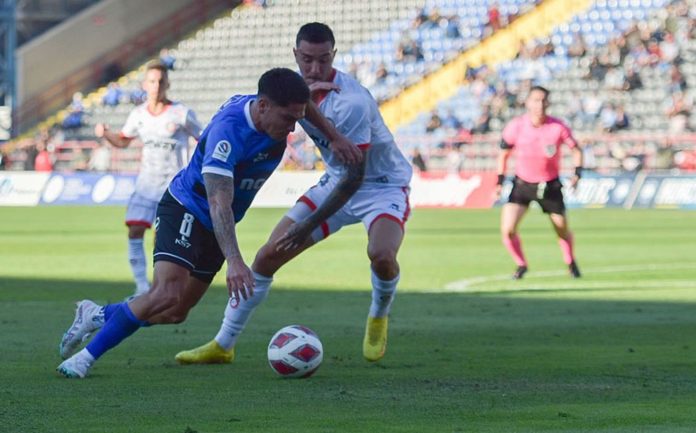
(466, 285)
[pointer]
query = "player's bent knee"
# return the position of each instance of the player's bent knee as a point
(384, 263)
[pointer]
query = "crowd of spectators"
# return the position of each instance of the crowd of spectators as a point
(614, 68)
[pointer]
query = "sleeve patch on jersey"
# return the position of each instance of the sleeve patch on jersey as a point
(222, 150)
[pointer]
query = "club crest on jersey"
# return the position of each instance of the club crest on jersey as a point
(222, 150)
(549, 150)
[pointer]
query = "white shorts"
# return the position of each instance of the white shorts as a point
(141, 211)
(368, 204)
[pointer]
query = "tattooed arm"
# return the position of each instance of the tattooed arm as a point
(344, 190)
(220, 191)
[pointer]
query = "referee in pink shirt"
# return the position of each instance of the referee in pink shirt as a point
(536, 140)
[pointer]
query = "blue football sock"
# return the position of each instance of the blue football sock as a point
(109, 309)
(120, 326)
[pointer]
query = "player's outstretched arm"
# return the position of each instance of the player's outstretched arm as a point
(101, 130)
(344, 190)
(220, 191)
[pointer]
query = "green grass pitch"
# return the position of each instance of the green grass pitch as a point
(469, 350)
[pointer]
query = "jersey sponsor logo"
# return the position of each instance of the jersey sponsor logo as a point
(250, 184)
(394, 206)
(222, 150)
(262, 156)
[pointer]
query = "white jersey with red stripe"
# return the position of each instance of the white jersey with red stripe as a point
(165, 145)
(355, 113)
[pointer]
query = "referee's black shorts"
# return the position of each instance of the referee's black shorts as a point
(549, 195)
(180, 238)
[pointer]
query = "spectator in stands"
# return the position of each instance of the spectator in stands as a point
(418, 161)
(494, 21)
(482, 125)
(678, 113)
(434, 123)
(5, 162)
(74, 119)
(677, 82)
(409, 50)
(622, 122)
(113, 95)
(578, 47)
(381, 73)
(452, 27)
(614, 79)
(607, 118)
(595, 71)
(166, 58)
(669, 50)
(591, 107)
(44, 160)
(451, 121)
(30, 153)
(100, 159)
(632, 80)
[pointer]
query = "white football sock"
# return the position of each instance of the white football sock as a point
(382, 295)
(138, 264)
(237, 314)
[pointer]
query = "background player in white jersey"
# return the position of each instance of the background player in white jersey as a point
(373, 191)
(164, 127)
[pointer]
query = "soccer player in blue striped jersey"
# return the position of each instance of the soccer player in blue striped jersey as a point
(196, 217)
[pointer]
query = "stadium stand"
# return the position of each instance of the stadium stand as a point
(619, 72)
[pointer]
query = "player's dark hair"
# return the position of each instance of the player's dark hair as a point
(315, 33)
(158, 66)
(542, 89)
(283, 86)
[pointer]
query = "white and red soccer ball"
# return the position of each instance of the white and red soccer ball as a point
(295, 351)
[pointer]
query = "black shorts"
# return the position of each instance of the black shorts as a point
(180, 238)
(549, 195)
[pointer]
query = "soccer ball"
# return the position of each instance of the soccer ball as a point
(295, 351)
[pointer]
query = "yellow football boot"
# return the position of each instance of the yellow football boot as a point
(375, 341)
(209, 353)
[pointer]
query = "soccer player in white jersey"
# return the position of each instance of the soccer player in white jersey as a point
(164, 127)
(373, 191)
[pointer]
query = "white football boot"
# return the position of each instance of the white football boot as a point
(75, 367)
(88, 318)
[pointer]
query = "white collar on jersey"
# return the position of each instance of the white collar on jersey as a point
(247, 113)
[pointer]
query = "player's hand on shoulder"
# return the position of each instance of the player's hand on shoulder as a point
(323, 86)
(346, 150)
(240, 280)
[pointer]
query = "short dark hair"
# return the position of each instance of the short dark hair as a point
(542, 89)
(315, 33)
(283, 86)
